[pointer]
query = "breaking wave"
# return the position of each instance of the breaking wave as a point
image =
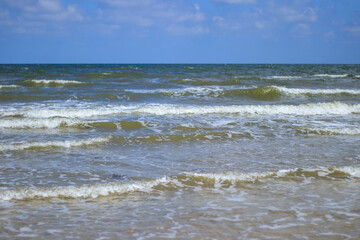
(51, 123)
(260, 93)
(331, 108)
(332, 75)
(306, 91)
(330, 131)
(53, 144)
(185, 181)
(45, 82)
(8, 86)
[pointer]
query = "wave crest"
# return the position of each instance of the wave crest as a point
(53, 144)
(54, 83)
(185, 181)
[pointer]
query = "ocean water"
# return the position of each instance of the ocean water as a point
(180, 151)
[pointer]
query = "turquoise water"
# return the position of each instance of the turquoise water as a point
(179, 151)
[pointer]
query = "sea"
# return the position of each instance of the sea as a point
(179, 151)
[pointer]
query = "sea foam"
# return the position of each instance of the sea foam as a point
(8, 86)
(302, 91)
(51, 82)
(35, 123)
(53, 144)
(333, 131)
(331, 108)
(331, 75)
(85, 191)
(185, 181)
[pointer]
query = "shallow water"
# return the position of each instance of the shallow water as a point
(179, 151)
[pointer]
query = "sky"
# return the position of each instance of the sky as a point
(180, 31)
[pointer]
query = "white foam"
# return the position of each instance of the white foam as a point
(284, 77)
(9, 86)
(331, 75)
(300, 91)
(85, 191)
(351, 170)
(332, 108)
(54, 144)
(94, 191)
(252, 176)
(180, 91)
(43, 112)
(37, 123)
(335, 131)
(59, 82)
(232, 176)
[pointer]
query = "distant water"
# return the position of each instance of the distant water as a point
(180, 151)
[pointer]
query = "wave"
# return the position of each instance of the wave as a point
(330, 131)
(52, 123)
(306, 91)
(156, 138)
(8, 86)
(331, 108)
(319, 172)
(118, 139)
(259, 93)
(332, 75)
(85, 191)
(187, 180)
(45, 82)
(285, 77)
(37, 123)
(109, 75)
(53, 144)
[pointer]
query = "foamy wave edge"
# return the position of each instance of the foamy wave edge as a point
(302, 91)
(54, 144)
(85, 191)
(9, 86)
(332, 108)
(331, 75)
(180, 181)
(48, 82)
(353, 171)
(331, 131)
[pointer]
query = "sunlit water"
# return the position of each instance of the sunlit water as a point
(180, 151)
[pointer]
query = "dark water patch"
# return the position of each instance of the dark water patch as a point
(20, 97)
(266, 93)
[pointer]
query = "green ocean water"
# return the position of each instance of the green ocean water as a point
(179, 151)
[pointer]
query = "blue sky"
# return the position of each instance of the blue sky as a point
(179, 31)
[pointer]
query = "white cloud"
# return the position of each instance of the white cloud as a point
(353, 30)
(50, 5)
(51, 10)
(35, 16)
(4, 14)
(172, 16)
(184, 30)
(290, 14)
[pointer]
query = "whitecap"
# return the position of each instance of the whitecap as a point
(331, 75)
(9, 86)
(301, 91)
(18, 146)
(55, 82)
(330, 108)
